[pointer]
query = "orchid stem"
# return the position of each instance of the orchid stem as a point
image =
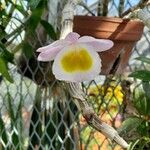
(75, 90)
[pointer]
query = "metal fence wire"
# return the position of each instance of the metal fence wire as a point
(35, 117)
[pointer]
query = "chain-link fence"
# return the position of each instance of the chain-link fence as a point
(45, 117)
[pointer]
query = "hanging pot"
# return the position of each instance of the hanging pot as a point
(123, 32)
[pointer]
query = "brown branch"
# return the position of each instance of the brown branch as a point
(91, 117)
(141, 4)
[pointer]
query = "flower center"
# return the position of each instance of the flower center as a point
(77, 60)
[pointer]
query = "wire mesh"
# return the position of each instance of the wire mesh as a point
(35, 117)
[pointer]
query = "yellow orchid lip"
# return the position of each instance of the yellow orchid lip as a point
(77, 63)
(76, 60)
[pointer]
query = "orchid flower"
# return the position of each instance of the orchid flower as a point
(75, 58)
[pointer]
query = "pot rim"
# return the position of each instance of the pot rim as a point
(113, 28)
(109, 19)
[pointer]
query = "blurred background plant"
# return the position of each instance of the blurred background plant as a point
(137, 125)
(36, 111)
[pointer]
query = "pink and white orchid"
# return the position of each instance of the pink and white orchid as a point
(75, 58)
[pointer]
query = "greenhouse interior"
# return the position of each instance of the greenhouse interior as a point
(75, 74)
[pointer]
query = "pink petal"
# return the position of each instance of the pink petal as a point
(49, 54)
(98, 44)
(44, 48)
(86, 39)
(72, 37)
(61, 43)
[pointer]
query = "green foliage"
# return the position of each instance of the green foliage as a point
(36, 16)
(49, 29)
(5, 58)
(142, 104)
(144, 59)
(29, 24)
(5, 54)
(143, 129)
(141, 74)
(27, 49)
(140, 144)
(146, 88)
(34, 3)
(141, 101)
(130, 124)
(4, 70)
(141, 98)
(3, 133)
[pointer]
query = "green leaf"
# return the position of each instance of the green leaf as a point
(3, 33)
(4, 70)
(5, 54)
(144, 59)
(141, 103)
(27, 49)
(143, 129)
(3, 133)
(143, 75)
(36, 16)
(49, 29)
(130, 124)
(10, 110)
(15, 140)
(33, 4)
(140, 144)
(2, 12)
(21, 9)
(146, 88)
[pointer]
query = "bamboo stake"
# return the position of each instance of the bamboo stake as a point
(121, 7)
(105, 7)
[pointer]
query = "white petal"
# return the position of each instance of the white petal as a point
(86, 39)
(98, 44)
(61, 43)
(72, 37)
(77, 75)
(49, 54)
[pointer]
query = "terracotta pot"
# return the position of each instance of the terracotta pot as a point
(124, 33)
